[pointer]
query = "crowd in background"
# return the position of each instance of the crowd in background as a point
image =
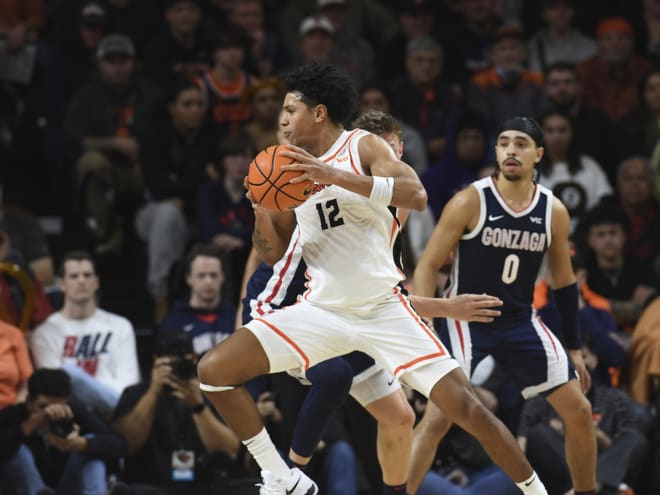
(126, 129)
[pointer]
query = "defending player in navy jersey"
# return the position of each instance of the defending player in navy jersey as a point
(500, 230)
(352, 301)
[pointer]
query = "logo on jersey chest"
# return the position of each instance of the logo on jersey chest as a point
(317, 188)
(513, 239)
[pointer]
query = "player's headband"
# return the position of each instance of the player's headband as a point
(523, 124)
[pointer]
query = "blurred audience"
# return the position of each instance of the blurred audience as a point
(204, 315)
(643, 376)
(558, 41)
(226, 217)
(595, 134)
(104, 121)
(20, 291)
(466, 154)
(610, 79)
(507, 88)
(52, 441)
(180, 49)
(622, 446)
(265, 97)
(634, 197)
(266, 55)
(15, 365)
(352, 52)
(625, 281)
(641, 127)
(376, 96)
(576, 179)
(421, 98)
(176, 443)
(176, 156)
(95, 347)
(225, 81)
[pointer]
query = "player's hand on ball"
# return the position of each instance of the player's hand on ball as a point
(311, 167)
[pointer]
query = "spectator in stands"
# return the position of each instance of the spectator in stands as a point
(266, 55)
(204, 315)
(610, 80)
(594, 130)
(376, 96)
(352, 52)
(640, 127)
(416, 20)
(28, 241)
(507, 88)
(471, 39)
(642, 211)
(223, 84)
(265, 97)
(225, 215)
(14, 296)
(15, 365)
(576, 179)
(175, 441)
(558, 41)
(604, 346)
(621, 445)
(370, 19)
(317, 40)
(49, 440)
(421, 98)
(466, 154)
(137, 19)
(180, 49)
(176, 154)
(625, 281)
(103, 121)
(96, 348)
(20, 22)
(643, 377)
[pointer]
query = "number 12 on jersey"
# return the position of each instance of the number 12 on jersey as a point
(329, 214)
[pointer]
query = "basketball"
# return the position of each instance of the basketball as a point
(269, 184)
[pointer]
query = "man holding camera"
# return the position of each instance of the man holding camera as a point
(175, 441)
(52, 441)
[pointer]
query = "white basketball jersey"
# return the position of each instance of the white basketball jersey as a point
(346, 239)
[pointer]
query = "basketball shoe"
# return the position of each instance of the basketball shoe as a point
(295, 483)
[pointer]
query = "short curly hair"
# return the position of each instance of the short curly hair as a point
(325, 84)
(377, 122)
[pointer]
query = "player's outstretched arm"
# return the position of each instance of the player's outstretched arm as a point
(459, 215)
(464, 307)
(378, 160)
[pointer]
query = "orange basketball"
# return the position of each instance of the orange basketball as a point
(270, 185)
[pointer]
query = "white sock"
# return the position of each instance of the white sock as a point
(264, 452)
(532, 486)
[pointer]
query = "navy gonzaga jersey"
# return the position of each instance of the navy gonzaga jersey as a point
(505, 252)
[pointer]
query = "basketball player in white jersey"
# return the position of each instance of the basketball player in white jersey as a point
(352, 301)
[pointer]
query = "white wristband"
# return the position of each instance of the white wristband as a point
(382, 190)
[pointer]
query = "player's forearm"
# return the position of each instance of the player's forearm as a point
(424, 279)
(267, 240)
(408, 192)
(429, 307)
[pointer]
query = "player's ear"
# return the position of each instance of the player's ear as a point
(539, 154)
(320, 112)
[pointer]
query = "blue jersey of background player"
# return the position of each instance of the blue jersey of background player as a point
(500, 230)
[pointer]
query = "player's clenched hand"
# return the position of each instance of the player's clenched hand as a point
(311, 167)
(473, 307)
(578, 363)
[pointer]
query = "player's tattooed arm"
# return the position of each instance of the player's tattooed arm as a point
(261, 243)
